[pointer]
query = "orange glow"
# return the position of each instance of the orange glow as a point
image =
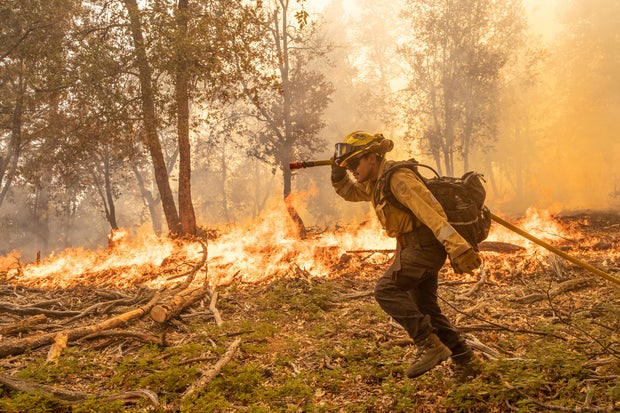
(269, 248)
(123, 256)
(261, 251)
(539, 223)
(10, 262)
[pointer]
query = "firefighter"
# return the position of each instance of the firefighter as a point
(408, 289)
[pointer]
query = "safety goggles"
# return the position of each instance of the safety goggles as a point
(344, 149)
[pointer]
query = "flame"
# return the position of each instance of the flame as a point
(10, 262)
(262, 250)
(269, 247)
(539, 223)
(78, 265)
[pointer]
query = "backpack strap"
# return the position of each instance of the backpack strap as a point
(410, 164)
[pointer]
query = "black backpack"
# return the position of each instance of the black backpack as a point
(462, 199)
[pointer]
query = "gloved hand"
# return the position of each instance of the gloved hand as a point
(467, 262)
(338, 172)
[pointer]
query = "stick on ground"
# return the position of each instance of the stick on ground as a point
(210, 374)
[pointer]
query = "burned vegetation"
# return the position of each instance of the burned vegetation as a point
(193, 333)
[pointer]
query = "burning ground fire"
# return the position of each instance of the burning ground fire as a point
(539, 223)
(265, 250)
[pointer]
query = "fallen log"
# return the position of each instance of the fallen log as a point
(105, 306)
(144, 337)
(496, 246)
(172, 306)
(23, 325)
(14, 347)
(561, 288)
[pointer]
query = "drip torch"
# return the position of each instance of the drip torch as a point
(309, 164)
(502, 222)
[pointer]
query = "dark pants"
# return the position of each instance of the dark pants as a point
(408, 289)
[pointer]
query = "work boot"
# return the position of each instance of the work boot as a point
(431, 352)
(466, 366)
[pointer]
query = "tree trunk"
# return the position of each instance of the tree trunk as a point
(287, 109)
(489, 174)
(299, 223)
(448, 139)
(150, 120)
(186, 208)
(8, 165)
(224, 167)
(151, 202)
(109, 196)
(41, 215)
(434, 135)
(466, 145)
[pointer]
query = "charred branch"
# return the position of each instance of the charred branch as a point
(33, 310)
(21, 385)
(561, 288)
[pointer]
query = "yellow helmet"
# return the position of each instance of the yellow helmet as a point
(358, 143)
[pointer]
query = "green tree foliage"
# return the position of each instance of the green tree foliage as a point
(33, 87)
(31, 78)
(96, 92)
(455, 54)
(191, 49)
(87, 90)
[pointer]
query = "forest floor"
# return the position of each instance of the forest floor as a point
(547, 332)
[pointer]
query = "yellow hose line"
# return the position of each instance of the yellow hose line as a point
(555, 250)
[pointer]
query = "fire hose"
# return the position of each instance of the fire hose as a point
(504, 223)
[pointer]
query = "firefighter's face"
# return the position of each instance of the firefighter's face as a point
(364, 168)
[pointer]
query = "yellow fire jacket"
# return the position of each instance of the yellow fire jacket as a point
(412, 193)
